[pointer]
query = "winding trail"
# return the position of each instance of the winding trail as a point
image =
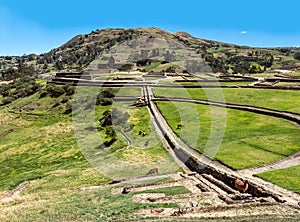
(126, 138)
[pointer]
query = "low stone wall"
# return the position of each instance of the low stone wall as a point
(195, 165)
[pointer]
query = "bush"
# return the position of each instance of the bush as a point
(43, 94)
(297, 55)
(69, 108)
(108, 93)
(106, 102)
(5, 91)
(65, 99)
(69, 89)
(56, 104)
(106, 119)
(7, 100)
(110, 131)
(105, 97)
(55, 90)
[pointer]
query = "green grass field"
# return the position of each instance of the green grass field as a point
(59, 155)
(283, 100)
(287, 178)
(128, 91)
(172, 82)
(75, 205)
(38, 144)
(36, 140)
(249, 140)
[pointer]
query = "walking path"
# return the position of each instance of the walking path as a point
(287, 162)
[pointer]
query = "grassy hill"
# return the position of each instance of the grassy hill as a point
(81, 50)
(61, 138)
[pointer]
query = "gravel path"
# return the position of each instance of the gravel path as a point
(290, 161)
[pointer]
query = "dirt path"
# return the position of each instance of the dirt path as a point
(15, 193)
(290, 161)
(127, 139)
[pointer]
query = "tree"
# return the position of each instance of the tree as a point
(106, 119)
(105, 97)
(59, 65)
(255, 68)
(110, 131)
(297, 55)
(55, 90)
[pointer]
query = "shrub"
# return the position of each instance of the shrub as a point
(106, 102)
(69, 108)
(69, 89)
(65, 99)
(43, 94)
(7, 100)
(55, 90)
(297, 55)
(110, 131)
(105, 97)
(106, 119)
(56, 104)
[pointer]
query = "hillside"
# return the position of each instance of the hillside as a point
(133, 127)
(81, 50)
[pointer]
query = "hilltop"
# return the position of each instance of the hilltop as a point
(81, 50)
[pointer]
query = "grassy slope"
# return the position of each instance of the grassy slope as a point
(250, 139)
(284, 100)
(143, 153)
(42, 148)
(75, 205)
(287, 178)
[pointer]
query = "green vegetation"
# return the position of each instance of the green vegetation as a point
(75, 205)
(287, 178)
(220, 57)
(152, 66)
(284, 100)
(40, 144)
(37, 137)
(249, 140)
(60, 138)
(128, 91)
(136, 147)
(37, 144)
(20, 88)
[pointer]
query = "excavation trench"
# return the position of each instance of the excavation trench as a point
(224, 179)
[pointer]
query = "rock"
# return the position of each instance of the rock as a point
(194, 204)
(126, 190)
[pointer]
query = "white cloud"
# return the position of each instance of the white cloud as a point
(244, 32)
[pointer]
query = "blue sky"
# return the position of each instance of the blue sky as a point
(34, 26)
